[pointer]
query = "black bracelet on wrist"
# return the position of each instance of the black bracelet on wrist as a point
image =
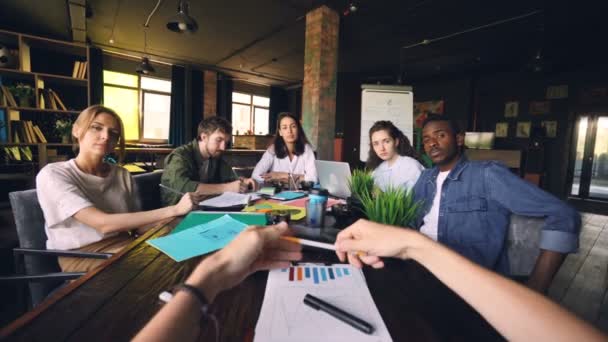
(198, 294)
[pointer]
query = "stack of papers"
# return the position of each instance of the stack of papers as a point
(200, 239)
(229, 199)
(284, 316)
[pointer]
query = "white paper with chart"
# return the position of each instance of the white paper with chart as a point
(284, 316)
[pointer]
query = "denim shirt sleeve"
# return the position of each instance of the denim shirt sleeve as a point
(560, 232)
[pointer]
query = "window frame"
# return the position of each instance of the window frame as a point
(252, 109)
(140, 105)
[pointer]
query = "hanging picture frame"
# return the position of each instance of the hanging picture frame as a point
(502, 129)
(550, 128)
(511, 109)
(523, 129)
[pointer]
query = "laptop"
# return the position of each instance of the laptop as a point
(334, 176)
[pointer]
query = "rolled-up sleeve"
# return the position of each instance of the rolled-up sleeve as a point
(262, 167)
(560, 232)
(310, 169)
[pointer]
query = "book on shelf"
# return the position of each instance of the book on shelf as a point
(76, 69)
(83, 69)
(9, 96)
(3, 126)
(57, 99)
(39, 134)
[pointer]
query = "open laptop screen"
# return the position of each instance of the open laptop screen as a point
(334, 176)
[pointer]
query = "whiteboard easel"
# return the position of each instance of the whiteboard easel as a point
(383, 102)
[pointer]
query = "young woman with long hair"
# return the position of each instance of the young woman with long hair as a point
(290, 154)
(391, 157)
(90, 204)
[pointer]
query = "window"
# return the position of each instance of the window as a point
(250, 113)
(143, 103)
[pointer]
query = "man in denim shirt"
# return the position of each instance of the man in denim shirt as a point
(467, 206)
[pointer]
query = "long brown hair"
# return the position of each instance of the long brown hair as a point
(403, 149)
(86, 117)
(280, 149)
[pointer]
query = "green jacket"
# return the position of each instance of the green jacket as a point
(185, 168)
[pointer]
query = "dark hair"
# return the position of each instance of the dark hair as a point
(212, 124)
(280, 149)
(454, 125)
(403, 149)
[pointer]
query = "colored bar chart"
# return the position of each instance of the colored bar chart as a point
(318, 274)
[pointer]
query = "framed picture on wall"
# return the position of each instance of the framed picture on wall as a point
(511, 109)
(540, 107)
(523, 129)
(502, 129)
(550, 128)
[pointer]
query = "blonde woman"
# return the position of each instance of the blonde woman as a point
(89, 204)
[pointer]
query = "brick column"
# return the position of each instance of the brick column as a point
(209, 93)
(320, 76)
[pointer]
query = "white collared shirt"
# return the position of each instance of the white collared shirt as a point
(303, 164)
(403, 173)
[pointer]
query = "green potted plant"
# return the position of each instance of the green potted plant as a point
(64, 128)
(24, 93)
(361, 184)
(393, 206)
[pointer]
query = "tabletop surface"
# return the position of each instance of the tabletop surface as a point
(114, 302)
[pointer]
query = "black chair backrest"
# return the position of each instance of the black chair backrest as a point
(148, 191)
(29, 222)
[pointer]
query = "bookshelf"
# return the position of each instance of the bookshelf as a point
(58, 74)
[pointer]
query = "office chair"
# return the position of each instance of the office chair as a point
(148, 191)
(35, 264)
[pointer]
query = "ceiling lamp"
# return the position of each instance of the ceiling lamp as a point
(145, 68)
(182, 21)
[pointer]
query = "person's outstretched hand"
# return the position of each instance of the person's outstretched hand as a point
(365, 242)
(254, 249)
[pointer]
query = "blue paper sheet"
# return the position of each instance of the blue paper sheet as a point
(200, 239)
(288, 195)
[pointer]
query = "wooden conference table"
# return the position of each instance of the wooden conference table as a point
(115, 302)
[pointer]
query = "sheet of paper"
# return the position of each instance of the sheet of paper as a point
(297, 213)
(228, 199)
(289, 195)
(200, 239)
(196, 218)
(284, 316)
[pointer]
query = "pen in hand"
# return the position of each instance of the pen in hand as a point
(344, 316)
(170, 189)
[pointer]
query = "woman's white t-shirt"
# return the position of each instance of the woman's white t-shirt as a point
(303, 164)
(403, 173)
(63, 190)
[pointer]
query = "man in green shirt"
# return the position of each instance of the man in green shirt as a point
(198, 166)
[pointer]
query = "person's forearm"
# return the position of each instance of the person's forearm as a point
(547, 264)
(515, 311)
(211, 189)
(111, 223)
(179, 320)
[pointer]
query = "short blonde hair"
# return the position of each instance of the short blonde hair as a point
(86, 117)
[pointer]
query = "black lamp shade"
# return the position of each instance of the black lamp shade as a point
(182, 22)
(145, 68)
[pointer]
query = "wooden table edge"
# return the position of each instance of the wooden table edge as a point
(67, 289)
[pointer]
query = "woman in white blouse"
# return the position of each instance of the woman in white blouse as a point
(89, 204)
(392, 157)
(289, 155)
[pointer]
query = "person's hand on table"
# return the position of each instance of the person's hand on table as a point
(278, 176)
(365, 242)
(248, 184)
(187, 203)
(252, 250)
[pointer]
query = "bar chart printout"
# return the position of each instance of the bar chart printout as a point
(284, 316)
